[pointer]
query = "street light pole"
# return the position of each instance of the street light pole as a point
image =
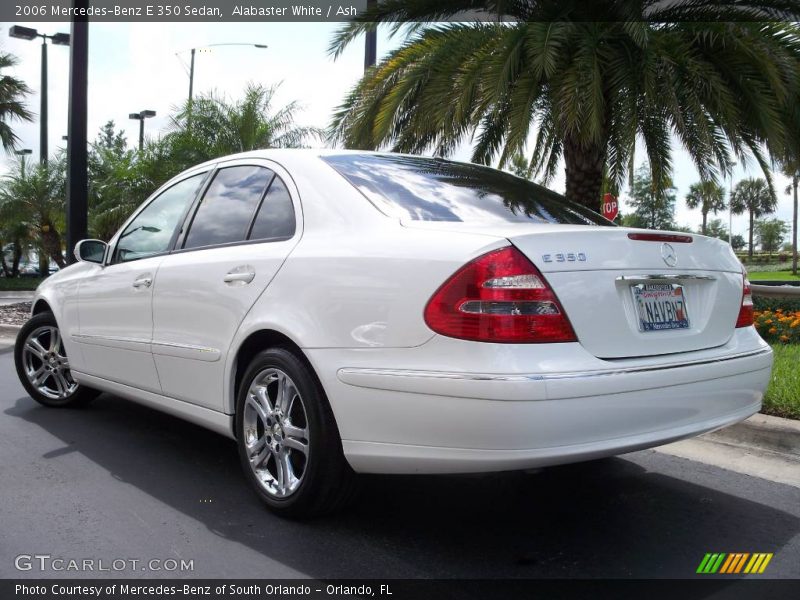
(371, 41)
(22, 154)
(201, 48)
(61, 39)
(141, 116)
(43, 106)
(77, 179)
(730, 209)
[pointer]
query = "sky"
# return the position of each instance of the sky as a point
(137, 66)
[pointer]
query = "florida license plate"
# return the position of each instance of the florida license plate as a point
(660, 306)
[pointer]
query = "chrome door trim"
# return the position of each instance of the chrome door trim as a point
(110, 341)
(186, 351)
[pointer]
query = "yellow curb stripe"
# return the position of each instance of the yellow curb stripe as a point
(765, 563)
(749, 566)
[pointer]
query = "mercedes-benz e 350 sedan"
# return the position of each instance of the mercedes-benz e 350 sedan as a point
(349, 312)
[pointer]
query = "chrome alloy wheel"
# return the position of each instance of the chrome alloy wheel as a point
(46, 364)
(276, 432)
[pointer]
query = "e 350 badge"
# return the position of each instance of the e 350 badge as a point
(561, 257)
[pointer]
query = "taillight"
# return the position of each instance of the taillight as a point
(745, 318)
(499, 297)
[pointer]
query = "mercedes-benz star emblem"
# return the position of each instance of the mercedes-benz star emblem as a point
(669, 255)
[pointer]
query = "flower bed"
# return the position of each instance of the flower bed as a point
(778, 326)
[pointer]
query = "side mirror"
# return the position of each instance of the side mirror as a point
(90, 251)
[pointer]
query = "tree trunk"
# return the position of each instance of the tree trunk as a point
(795, 183)
(17, 257)
(584, 169)
(52, 242)
(750, 250)
(705, 220)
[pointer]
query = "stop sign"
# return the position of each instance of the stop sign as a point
(610, 207)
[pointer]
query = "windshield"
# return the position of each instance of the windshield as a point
(432, 189)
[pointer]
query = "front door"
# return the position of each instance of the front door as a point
(115, 303)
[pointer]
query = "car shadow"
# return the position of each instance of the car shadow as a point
(609, 518)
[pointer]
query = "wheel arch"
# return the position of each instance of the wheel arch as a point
(253, 343)
(41, 305)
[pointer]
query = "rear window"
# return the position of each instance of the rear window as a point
(432, 189)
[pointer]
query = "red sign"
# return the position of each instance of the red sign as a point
(610, 207)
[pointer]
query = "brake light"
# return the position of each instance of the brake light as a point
(745, 318)
(499, 297)
(661, 237)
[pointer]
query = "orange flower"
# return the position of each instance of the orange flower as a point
(772, 330)
(784, 338)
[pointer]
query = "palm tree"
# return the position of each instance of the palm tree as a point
(589, 77)
(213, 126)
(708, 196)
(754, 197)
(12, 91)
(34, 198)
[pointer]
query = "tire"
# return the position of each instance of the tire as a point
(43, 367)
(281, 408)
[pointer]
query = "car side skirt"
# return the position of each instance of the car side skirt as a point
(210, 419)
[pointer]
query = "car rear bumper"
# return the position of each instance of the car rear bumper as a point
(414, 420)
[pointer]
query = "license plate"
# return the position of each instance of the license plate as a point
(660, 306)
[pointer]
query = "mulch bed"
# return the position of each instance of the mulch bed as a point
(15, 314)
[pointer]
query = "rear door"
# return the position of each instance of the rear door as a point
(233, 244)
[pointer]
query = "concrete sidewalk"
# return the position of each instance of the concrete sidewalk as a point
(13, 297)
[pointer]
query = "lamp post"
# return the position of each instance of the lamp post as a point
(141, 116)
(730, 209)
(371, 41)
(193, 51)
(22, 154)
(77, 179)
(60, 39)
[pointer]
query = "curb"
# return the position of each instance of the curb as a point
(763, 432)
(22, 295)
(9, 330)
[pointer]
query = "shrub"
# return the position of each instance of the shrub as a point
(786, 305)
(778, 326)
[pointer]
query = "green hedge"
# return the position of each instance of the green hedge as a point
(786, 304)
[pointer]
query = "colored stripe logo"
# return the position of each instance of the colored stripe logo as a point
(735, 562)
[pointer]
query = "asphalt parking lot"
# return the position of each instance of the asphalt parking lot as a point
(116, 480)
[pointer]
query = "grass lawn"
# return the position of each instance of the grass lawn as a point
(783, 395)
(16, 284)
(772, 276)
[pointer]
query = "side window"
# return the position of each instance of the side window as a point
(275, 218)
(151, 231)
(227, 208)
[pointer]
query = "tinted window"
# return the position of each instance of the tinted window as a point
(275, 218)
(151, 231)
(227, 207)
(429, 189)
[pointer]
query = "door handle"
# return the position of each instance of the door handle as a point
(242, 275)
(145, 282)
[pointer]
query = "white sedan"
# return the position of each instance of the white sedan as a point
(350, 312)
